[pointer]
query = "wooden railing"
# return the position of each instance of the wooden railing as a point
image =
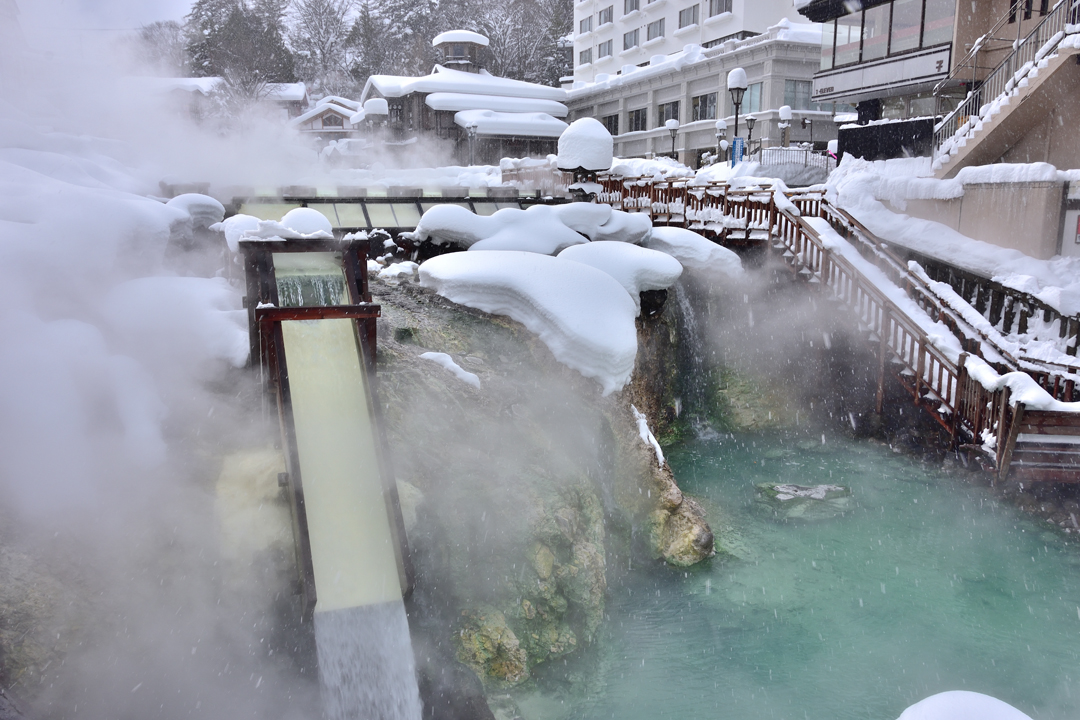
(975, 417)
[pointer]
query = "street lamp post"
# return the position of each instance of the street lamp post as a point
(736, 84)
(673, 127)
(785, 125)
(750, 120)
(721, 133)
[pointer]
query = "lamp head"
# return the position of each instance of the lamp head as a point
(785, 113)
(750, 120)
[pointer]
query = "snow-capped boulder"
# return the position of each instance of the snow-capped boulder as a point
(694, 251)
(635, 268)
(307, 221)
(962, 705)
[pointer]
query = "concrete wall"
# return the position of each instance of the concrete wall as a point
(1021, 216)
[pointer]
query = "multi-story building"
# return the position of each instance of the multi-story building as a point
(691, 86)
(610, 35)
(887, 56)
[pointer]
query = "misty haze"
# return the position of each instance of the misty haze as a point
(539, 359)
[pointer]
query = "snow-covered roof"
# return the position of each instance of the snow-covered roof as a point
(203, 85)
(287, 92)
(327, 109)
(499, 103)
(489, 122)
(460, 36)
(457, 81)
(338, 100)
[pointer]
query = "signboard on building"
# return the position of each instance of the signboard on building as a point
(738, 149)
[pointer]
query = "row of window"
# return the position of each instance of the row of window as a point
(890, 29)
(687, 17)
(706, 107)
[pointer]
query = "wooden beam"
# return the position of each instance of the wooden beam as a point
(363, 311)
(1010, 443)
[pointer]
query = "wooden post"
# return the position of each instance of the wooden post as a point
(919, 370)
(1002, 413)
(1010, 444)
(883, 352)
(958, 400)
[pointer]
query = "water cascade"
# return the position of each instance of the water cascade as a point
(366, 664)
(693, 368)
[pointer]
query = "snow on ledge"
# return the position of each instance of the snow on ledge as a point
(635, 268)
(646, 435)
(447, 362)
(459, 36)
(582, 314)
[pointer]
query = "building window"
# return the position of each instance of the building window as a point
(689, 16)
(906, 26)
(828, 39)
(703, 107)
(655, 29)
(585, 57)
(630, 6)
(938, 22)
(716, 7)
(585, 25)
(848, 38)
(667, 111)
(333, 121)
(611, 122)
(604, 49)
(876, 32)
(607, 15)
(629, 40)
(797, 94)
(752, 99)
(637, 120)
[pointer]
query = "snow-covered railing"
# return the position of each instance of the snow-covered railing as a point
(981, 103)
(997, 310)
(801, 157)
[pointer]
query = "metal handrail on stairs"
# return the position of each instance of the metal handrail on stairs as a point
(1039, 42)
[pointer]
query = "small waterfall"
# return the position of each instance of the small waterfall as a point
(693, 368)
(308, 290)
(366, 665)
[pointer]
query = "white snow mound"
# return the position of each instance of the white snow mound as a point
(694, 251)
(544, 229)
(586, 144)
(445, 361)
(962, 705)
(636, 268)
(307, 221)
(582, 314)
(235, 228)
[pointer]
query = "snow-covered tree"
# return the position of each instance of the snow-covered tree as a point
(319, 33)
(202, 27)
(161, 48)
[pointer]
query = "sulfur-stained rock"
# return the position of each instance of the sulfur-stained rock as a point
(488, 646)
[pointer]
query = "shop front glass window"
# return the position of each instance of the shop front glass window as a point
(848, 38)
(938, 25)
(906, 25)
(876, 33)
(828, 36)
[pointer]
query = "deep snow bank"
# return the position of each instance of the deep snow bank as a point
(583, 315)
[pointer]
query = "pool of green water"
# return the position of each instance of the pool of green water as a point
(924, 584)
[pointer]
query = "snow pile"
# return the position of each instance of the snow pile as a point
(583, 315)
(459, 36)
(658, 168)
(646, 435)
(695, 252)
(445, 361)
(490, 122)
(587, 144)
(203, 210)
(635, 268)
(399, 272)
(545, 229)
(1008, 173)
(962, 705)
(859, 187)
(235, 228)
(307, 222)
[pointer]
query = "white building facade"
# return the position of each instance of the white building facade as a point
(612, 34)
(691, 87)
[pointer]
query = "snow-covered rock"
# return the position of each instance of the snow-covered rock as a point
(203, 209)
(694, 251)
(635, 268)
(586, 144)
(545, 229)
(307, 221)
(235, 227)
(447, 362)
(962, 705)
(399, 272)
(583, 315)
